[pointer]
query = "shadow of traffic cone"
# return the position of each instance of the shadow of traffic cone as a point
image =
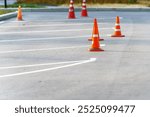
(95, 26)
(71, 14)
(19, 16)
(84, 9)
(117, 29)
(95, 39)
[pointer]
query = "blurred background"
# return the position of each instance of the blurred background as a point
(91, 3)
(57, 2)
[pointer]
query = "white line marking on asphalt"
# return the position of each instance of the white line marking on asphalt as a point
(37, 65)
(41, 39)
(108, 35)
(50, 69)
(49, 25)
(67, 20)
(51, 38)
(44, 49)
(2, 22)
(47, 31)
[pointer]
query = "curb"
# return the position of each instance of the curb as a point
(64, 9)
(121, 9)
(8, 16)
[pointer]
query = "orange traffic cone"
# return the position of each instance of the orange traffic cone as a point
(71, 10)
(84, 10)
(95, 39)
(19, 16)
(117, 29)
(95, 26)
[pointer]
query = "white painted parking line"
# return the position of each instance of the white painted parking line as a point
(2, 22)
(81, 19)
(48, 25)
(44, 49)
(38, 65)
(41, 39)
(50, 38)
(47, 31)
(50, 69)
(107, 35)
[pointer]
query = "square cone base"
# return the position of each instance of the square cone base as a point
(84, 16)
(117, 35)
(20, 19)
(90, 39)
(95, 49)
(71, 17)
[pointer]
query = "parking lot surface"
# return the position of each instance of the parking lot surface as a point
(46, 56)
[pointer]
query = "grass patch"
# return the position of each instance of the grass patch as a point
(5, 11)
(26, 5)
(108, 5)
(66, 2)
(59, 2)
(144, 2)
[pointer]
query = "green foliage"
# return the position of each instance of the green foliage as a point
(132, 1)
(5, 11)
(25, 5)
(144, 2)
(56, 2)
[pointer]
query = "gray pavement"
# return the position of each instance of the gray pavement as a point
(46, 57)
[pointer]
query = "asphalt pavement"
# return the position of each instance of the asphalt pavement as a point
(46, 56)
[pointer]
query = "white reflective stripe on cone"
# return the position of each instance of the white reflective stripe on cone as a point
(117, 24)
(83, 8)
(71, 1)
(71, 5)
(117, 30)
(92, 42)
(95, 35)
(83, 4)
(70, 10)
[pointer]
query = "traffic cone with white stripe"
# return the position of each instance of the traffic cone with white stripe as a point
(19, 16)
(84, 9)
(71, 10)
(117, 29)
(95, 39)
(95, 26)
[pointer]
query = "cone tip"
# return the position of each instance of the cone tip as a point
(117, 19)
(95, 20)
